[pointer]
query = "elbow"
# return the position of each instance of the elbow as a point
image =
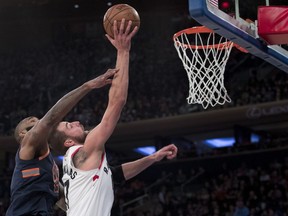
(127, 177)
(118, 104)
(52, 120)
(121, 101)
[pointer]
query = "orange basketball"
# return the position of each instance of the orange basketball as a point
(117, 12)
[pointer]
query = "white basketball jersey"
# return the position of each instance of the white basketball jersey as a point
(87, 193)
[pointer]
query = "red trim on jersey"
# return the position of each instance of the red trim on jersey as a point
(102, 158)
(75, 152)
(95, 177)
(30, 172)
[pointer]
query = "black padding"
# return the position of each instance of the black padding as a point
(117, 175)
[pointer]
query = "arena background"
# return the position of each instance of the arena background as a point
(49, 47)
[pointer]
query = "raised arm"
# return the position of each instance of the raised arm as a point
(36, 138)
(94, 143)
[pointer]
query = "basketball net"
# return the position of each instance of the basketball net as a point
(204, 56)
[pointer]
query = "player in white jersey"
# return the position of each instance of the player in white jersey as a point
(86, 189)
(90, 193)
(87, 178)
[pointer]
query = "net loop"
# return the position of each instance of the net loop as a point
(204, 55)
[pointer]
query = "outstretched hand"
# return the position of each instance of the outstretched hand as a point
(122, 36)
(169, 152)
(103, 79)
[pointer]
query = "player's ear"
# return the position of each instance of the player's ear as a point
(68, 143)
(22, 134)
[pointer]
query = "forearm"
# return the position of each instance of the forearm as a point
(122, 61)
(61, 202)
(133, 168)
(65, 104)
(119, 87)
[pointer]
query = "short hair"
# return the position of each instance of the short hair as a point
(19, 128)
(56, 140)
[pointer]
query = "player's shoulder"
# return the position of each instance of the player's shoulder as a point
(73, 150)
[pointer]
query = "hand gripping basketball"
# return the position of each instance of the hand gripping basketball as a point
(118, 12)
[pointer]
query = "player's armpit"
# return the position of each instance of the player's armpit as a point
(99, 135)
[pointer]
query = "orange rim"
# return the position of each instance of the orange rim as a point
(203, 29)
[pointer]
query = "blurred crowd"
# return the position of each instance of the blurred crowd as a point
(229, 184)
(246, 190)
(33, 79)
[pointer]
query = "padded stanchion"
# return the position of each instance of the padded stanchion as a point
(273, 24)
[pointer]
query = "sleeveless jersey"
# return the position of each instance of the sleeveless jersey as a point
(88, 193)
(34, 186)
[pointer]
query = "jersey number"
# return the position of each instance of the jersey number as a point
(66, 189)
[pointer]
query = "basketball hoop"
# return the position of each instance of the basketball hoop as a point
(204, 55)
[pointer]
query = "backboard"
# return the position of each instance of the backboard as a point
(238, 30)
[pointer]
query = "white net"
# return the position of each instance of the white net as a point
(204, 57)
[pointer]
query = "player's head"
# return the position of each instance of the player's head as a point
(23, 127)
(67, 134)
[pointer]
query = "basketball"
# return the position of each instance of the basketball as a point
(117, 12)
